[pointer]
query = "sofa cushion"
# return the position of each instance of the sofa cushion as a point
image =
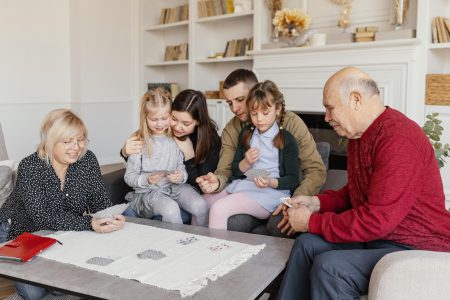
(3, 153)
(6, 183)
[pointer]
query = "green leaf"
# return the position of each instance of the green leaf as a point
(434, 137)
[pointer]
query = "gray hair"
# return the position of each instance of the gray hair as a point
(366, 86)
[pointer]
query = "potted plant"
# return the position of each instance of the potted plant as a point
(433, 131)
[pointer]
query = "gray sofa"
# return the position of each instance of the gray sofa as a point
(400, 275)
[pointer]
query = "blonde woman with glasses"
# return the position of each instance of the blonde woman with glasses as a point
(55, 186)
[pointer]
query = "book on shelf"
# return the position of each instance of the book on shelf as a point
(440, 28)
(210, 8)
(367, 29)
(177, 52)
(174, 14)
(434, 35)
(395, 34)
(364, 34)
(172, 87)
(363, 39)
(238, 47)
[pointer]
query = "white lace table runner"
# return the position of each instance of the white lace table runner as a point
(164, 258)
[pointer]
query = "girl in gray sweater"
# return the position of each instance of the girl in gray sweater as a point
(158, 174)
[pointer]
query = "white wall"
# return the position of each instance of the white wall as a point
(79, 54)
(34, 72)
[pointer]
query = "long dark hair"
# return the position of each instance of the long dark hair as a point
(264, 95)
(194, 102)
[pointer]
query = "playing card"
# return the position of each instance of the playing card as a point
(99, 261)
(187, 240)
(285, 201)
(151, 254)
(164, 172)
(253, 173)
(111, 211)
(219, 247)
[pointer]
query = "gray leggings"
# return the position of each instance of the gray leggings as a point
(167, 201)
(186, 197)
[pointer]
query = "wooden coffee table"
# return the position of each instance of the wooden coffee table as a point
(245, 282)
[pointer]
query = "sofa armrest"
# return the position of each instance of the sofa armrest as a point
(412, 274)
(335, 180)
(116, 186)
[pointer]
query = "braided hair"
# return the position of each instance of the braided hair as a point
(264, 95)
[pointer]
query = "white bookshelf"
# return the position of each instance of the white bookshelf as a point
(226, 17)
(167, 26)
(206, 36)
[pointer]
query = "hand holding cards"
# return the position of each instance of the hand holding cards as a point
(254, 173)
(163, 172)
(285, 201)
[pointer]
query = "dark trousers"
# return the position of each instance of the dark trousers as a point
(321, 270)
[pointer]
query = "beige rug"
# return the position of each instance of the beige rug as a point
(164, 258)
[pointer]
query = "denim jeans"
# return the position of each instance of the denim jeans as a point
(26, 291)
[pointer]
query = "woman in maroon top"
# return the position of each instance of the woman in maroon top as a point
(394, 199)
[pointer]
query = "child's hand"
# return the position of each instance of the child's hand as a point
(263, 182)
(252, 155)
(175, 177)
(154, 178)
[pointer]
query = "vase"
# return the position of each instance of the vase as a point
(292, 34)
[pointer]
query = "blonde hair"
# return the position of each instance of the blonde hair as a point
(58, 125)
(156, 98)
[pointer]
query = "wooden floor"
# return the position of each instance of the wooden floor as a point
(6, 288)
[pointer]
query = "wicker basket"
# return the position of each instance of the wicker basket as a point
(438, 89)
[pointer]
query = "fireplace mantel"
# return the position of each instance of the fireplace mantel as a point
(302, 72)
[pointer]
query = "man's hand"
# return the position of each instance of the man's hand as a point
(312, 203)
(299, 218)
(132, 146)
(284, 225)
(175, 177)
(208, 183)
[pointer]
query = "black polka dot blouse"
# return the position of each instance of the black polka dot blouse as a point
(37, 202)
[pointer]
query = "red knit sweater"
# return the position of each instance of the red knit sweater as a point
(394, 190)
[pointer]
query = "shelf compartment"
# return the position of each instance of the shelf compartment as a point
(225, 17)
(167, 26)
(439, 46)
(167, 63)
(225, 59)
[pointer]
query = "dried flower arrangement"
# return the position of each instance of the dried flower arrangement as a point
(289, 19)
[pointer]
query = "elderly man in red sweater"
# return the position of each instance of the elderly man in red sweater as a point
(394, 199)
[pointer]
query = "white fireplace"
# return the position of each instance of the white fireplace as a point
(302, 72)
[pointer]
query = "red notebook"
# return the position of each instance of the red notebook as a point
(25, 247)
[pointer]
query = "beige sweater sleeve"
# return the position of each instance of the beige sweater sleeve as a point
(311, 165)
(230, 135)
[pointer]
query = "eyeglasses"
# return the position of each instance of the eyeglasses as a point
(81, 143)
